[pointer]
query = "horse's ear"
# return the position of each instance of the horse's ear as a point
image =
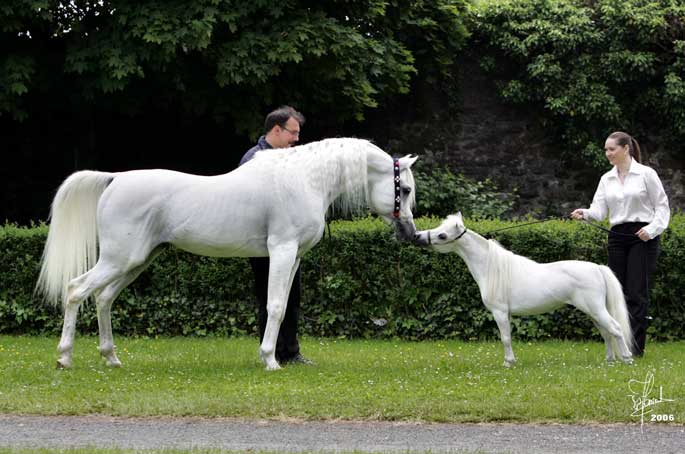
(459, 217)
(407, 161)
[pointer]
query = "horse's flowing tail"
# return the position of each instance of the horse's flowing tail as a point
(616, 305)
(71, 246)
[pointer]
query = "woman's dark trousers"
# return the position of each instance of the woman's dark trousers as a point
(633, 261)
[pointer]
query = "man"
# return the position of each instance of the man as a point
(282, 130)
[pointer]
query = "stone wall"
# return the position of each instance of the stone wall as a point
(489, 139)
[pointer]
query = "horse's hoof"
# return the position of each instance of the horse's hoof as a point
(111, 359)
(269, 360)
(628, 360)
(509, 364)
(113, 363)
(63, 364)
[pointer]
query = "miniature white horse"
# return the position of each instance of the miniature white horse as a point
(274, 206)
(513, 285)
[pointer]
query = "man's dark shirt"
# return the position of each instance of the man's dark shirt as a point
(262, 144)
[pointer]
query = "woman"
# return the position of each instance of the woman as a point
(632, 195)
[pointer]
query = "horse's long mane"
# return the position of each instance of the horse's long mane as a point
(501, 264)
(328, 165)
(499, 272)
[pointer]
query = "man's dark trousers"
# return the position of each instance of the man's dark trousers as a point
(287, 346)
(633, 261)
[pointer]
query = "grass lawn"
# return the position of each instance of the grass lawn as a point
(447, 381)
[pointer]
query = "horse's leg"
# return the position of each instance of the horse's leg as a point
(610, 356)
(612, 327)
(78, 290)
(504, 325)
(281, 266)
(66, 343)
(104, 301)
(595, 307)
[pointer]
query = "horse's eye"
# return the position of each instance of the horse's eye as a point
(406, 191)
(442, 236)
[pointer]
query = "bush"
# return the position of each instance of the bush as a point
(442, 190)
(180, 294)
(358, 282)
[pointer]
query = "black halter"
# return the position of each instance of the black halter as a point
(460, 235)
(398, 198)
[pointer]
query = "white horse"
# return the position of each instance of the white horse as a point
(274, 206)
(513, 285)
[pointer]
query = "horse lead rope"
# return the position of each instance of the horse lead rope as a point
(517, 226)
(557, 219)
(611, 232)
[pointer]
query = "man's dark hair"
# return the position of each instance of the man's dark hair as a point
(280, 117)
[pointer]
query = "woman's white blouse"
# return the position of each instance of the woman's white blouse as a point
(640, 198)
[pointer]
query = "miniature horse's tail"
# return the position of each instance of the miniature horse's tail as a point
(616, 304)
(71, 247)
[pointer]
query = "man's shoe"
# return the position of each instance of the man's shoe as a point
(298, 359)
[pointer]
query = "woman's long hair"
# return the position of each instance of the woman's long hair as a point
(623, 139)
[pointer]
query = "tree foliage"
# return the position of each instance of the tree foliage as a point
(592, 67)
(229, 58)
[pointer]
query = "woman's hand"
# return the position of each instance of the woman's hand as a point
(577, 214)
(644, 236)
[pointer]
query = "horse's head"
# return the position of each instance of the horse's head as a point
(442, 237)
(392, 193)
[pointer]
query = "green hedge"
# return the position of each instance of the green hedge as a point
(358, 282)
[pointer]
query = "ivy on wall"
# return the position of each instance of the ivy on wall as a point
(589, 68)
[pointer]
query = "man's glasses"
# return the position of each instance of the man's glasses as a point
(295, 133)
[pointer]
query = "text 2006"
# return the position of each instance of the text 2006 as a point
(662, 418)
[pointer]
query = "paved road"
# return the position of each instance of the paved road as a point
(234, 434)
